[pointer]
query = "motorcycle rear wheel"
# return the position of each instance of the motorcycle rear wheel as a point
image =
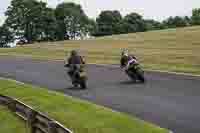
(140, 75)
(83, 84)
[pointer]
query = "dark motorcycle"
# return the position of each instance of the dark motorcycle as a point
(78, 75)
(135, 72)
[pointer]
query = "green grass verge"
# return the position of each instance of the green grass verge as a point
(172, 50)
(9, 123)
(79, 116)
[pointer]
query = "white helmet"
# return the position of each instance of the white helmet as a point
(124, 52)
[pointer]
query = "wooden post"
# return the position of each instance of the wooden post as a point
(31, 120)
(12, 105)
(52, 127)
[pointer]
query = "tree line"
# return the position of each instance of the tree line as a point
(112, 22)
(32, 20)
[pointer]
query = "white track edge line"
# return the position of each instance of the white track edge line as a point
(161, 71)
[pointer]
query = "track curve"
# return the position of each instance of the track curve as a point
(171, 101)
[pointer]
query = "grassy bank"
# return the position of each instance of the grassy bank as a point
(9, 123)
(172, 50)
(77, 115)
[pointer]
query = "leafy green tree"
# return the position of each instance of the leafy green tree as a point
(71, 20)
(168, 23)
(133, 22)
(21, 15)
(188, 20)
(46, 25)
(5, 36)
(196, 16)
(173, 22)
(92, 27)
(108, 23)
(31, 20)
(153, 25)
(180, 21)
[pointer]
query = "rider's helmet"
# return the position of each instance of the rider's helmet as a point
(74, 53)
(124, 52)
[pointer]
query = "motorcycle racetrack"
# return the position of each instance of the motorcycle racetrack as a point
(168, 100)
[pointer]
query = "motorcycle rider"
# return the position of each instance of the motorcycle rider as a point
(72, 61)
(127, 61)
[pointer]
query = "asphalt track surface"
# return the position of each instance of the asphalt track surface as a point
(168, 100)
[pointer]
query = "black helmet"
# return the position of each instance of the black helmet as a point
(74, 53)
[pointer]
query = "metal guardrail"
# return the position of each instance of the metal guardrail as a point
(35, 121)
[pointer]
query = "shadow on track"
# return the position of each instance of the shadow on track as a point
(130, 82)
(74, 88)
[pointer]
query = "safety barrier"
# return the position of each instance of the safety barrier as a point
(35, 121)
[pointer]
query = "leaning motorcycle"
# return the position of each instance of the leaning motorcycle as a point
(78, 75)
(135, 72)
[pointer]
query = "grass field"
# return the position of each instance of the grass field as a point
(9, 123)
(173, 50)
(77, 115)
